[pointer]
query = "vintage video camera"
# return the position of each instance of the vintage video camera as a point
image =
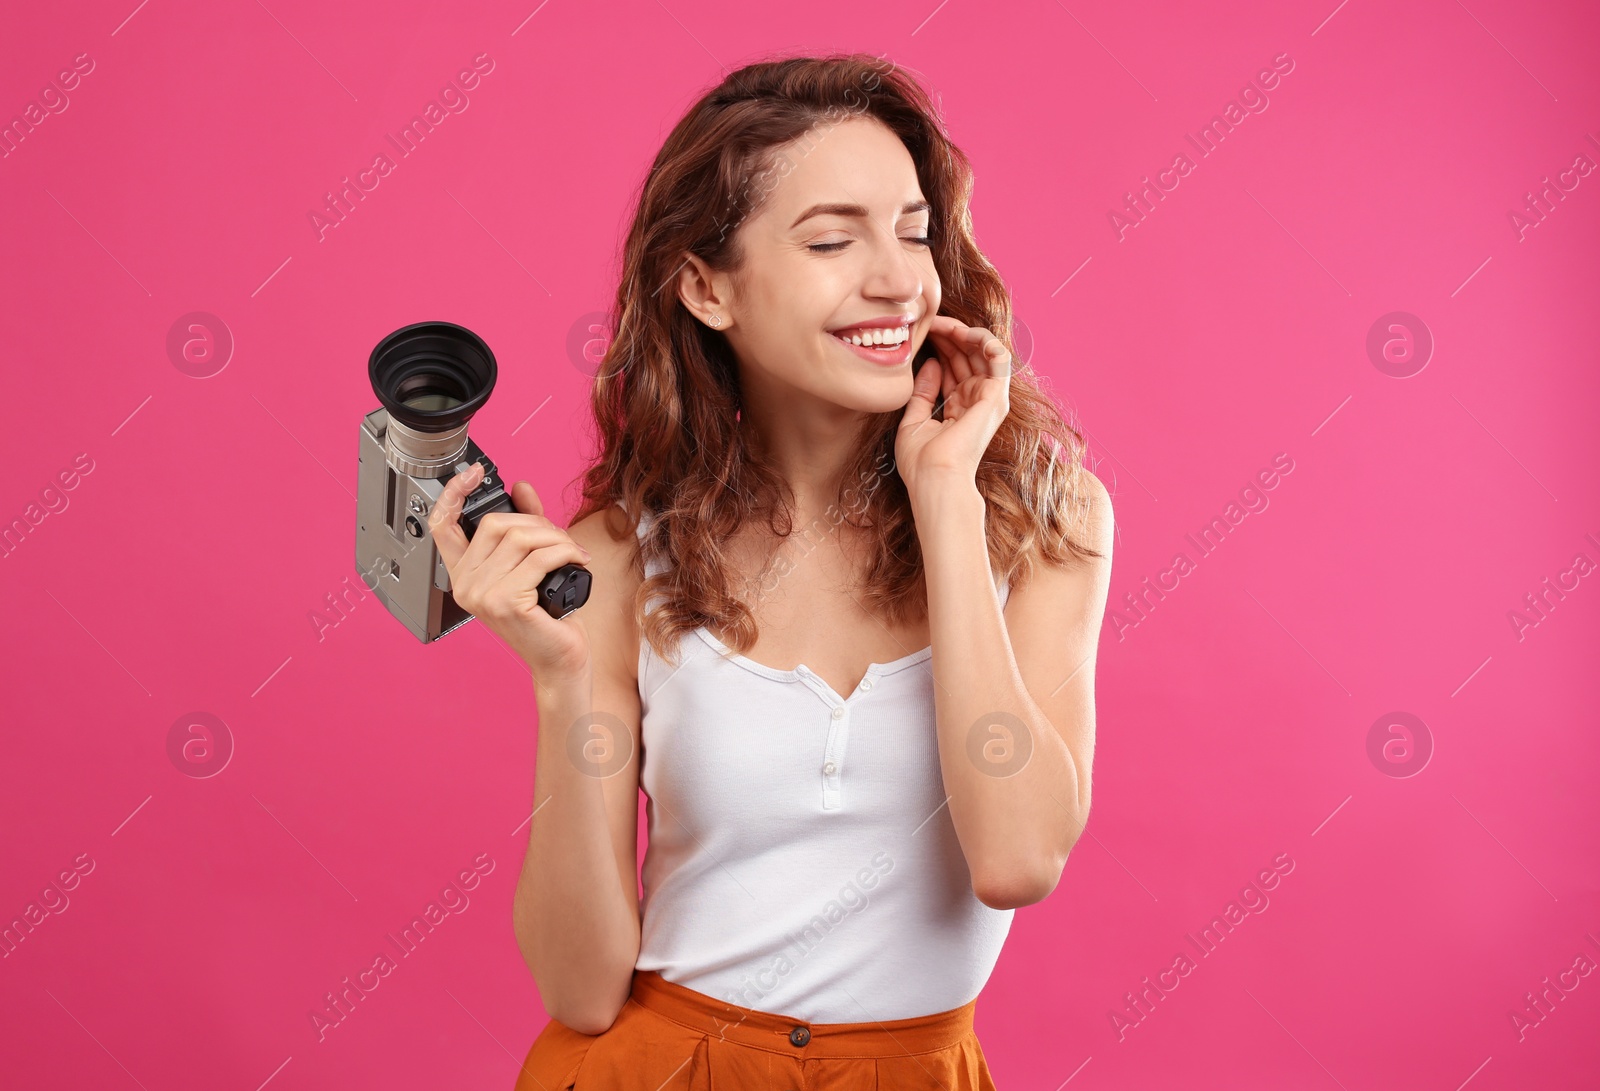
(430, 377)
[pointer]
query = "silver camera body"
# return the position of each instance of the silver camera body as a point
(431, 377)
(395, 552)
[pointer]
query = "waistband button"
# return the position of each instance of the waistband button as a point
(799, 1036)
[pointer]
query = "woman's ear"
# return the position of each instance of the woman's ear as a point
(696, 289)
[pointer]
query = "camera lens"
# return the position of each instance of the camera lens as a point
(431, 378)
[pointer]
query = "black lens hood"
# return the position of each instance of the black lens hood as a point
(432, 358)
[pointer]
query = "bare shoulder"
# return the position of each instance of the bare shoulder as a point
(1100, 522)
(606, 534)
(614, 566)
(1079, 586)
(1091, 522)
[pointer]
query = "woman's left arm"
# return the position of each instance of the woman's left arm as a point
(1013, 690)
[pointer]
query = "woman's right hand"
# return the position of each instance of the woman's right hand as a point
(496, 575)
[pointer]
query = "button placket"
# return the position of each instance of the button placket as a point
(833, 750)
(833, 757)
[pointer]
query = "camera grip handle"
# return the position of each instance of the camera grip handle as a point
(560, 592)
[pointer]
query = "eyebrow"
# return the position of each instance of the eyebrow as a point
(853, 210)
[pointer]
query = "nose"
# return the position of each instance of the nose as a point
(894, 273)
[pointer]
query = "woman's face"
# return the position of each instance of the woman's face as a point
(836, 244)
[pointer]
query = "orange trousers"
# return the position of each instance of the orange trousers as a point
(672, 1038)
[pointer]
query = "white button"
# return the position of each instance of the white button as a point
(829, 767)
(838, 714)
(866, 683)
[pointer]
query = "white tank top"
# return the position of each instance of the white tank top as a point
(801, 857)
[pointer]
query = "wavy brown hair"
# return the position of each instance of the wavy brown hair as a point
(666, 396)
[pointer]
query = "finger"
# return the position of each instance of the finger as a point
(923, 391)
(981, 344)
(515, 543)
(954, 328)
(947, 331)
(954, 352)
(997, 358)
(941, 353)
(532, 570)
(443, 517)
(985, 353)
(525, 500)
(971, 350)
(494, 529)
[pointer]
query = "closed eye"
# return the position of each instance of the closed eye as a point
(828, 246)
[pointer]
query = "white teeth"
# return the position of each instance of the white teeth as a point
(878, 336)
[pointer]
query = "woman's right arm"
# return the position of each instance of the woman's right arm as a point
(576, 911)
(576, 908)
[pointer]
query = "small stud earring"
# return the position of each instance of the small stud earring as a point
(716, 321)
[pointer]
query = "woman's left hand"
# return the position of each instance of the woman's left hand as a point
(972, 372)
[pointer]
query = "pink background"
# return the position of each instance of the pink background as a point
(184, 573)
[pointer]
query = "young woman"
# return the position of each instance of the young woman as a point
(849, 574)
